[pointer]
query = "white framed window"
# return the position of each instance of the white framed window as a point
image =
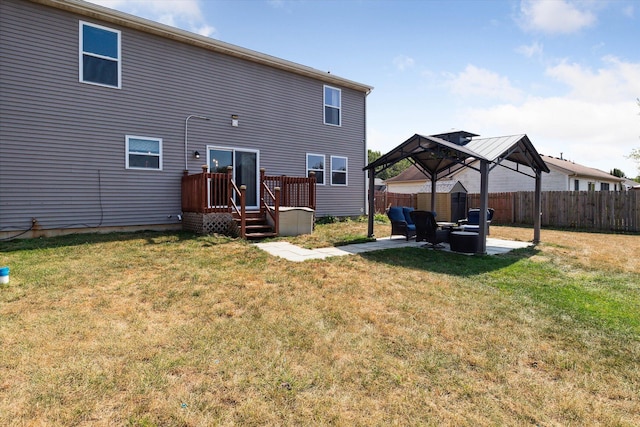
(315, 163)
(143, 152)
(339, 166)
(332, 106)
(100, 58)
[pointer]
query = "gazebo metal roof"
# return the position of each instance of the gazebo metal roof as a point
(437, 156)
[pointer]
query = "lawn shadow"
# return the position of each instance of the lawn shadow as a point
(449, 263)
(79, 239)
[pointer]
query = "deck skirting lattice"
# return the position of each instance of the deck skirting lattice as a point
(212, 223)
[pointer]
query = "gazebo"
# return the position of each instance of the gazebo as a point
(437, 156)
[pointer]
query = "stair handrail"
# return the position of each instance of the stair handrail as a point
(242, 211)
(275, 213)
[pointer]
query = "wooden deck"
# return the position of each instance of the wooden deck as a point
(208, 192)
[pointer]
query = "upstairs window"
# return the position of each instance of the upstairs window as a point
(332, 106)
(99, 55)
(143, 152)
(315, 163)
(338, 170)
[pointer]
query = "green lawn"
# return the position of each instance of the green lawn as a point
(174, 329)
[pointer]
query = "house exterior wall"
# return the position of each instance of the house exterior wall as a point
(62, 142)
(502, 179)
(412, 187)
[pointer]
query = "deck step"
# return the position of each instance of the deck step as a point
(258, 236)
(256, 227)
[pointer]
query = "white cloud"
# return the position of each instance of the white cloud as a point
(535, 49)
(206, 30)
(617, 81)
(478, 82)
(554, 16)
(595, 124)
(185, 14)
(403, 62)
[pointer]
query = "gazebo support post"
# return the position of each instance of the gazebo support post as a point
(537, 209)
(433, 192)
(484, 205)
(372, 202)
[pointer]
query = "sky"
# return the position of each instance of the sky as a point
(564, 72)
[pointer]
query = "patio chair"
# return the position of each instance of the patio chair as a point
(401, 222)
(472, 221)
(427, 229)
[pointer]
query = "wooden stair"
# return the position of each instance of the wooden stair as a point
(257, 226)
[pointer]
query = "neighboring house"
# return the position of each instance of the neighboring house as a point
(409, 181)
(101, 112)
(564, 176)
(630, 184)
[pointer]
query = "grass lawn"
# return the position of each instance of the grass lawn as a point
(171, 329)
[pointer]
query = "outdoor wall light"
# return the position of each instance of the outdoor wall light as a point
(196, 154)
(234, 120)
(186, 129)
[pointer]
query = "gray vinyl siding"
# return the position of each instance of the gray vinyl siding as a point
(62, 142)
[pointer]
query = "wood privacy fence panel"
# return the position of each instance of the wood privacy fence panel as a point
(383, 200)
(590, 210)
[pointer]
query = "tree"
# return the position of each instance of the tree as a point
(392, 170)
(635, 153)
(635, 156)
(617, 172)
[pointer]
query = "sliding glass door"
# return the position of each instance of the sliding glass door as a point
(245, 165)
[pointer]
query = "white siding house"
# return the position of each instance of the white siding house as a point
(564, 176)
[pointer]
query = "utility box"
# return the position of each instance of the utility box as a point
(294, 221)
(451, 200)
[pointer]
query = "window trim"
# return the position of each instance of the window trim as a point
(325, 105)
(81, 54)
(324, 169)
(346, 172)
(146, 138)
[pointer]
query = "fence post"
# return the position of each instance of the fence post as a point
(243, 211)
(204, 188)
(276, 219)
(230, 188)
(312, 190)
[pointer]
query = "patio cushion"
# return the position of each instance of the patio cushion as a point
(407, 214)
(395, 214)
(473, 217)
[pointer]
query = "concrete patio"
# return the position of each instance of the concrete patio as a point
(297, 254)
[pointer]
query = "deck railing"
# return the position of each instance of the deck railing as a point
(208, 192)
(294, 191)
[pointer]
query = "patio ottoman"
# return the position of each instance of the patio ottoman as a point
(463, 241)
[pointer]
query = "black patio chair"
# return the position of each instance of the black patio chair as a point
(427, 229)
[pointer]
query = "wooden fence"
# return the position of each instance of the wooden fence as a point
(383, 200)
(587, 210)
